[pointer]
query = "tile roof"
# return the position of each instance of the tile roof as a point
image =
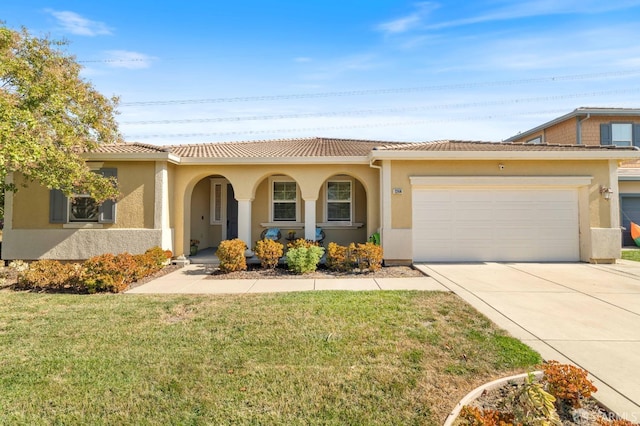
(280, 148)
(471, 146)
(129, 148)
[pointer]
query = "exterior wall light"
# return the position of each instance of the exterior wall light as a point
(606, 192)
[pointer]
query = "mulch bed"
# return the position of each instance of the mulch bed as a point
(256, 272)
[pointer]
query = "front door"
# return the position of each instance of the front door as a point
(232, 214)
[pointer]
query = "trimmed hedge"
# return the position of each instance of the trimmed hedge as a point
(103, 273)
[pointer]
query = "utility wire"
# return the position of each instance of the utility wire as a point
(350, 126)
(383, 110)
(384, 91)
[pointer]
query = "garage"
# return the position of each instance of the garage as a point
(495, 223)
(629, 212)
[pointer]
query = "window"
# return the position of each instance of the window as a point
(339, 200)
(218, 193)
(535, 141)
(83, 208)
(284, 201)
(621, 134)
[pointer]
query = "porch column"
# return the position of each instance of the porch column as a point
(310, 220)
(244, 221)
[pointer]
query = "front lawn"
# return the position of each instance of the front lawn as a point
(631, 255)
(297, 358)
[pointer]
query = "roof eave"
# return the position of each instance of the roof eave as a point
(608, 154)
(132, 156)
(576, 113)
(270, 160)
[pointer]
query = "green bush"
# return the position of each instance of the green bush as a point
(231, 255)
(269, 252)
(51, 275)
(302, 260)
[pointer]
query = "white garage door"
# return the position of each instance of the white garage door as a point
(495, 225)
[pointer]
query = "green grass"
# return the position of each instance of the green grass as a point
(299, 358)
(631, 255)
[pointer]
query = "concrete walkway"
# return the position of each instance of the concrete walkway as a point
(588, 315)
(194, 279)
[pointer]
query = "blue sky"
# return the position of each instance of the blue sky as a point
(384, 70)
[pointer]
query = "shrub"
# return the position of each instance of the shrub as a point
(269, 252)
(567, 382)
(302, 260)
(369, 256)
(51, 275)
(109, 272)
(301, 242)
(473, 416)
(231, 255)
(362, 256)
(533, 405)
(338, 258)
(616, 422)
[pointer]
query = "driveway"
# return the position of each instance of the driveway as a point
(585, 314)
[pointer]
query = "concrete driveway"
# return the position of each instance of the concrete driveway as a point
(585, 314)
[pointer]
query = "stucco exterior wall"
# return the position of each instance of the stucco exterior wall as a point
(250, 182)
(401, 171)
(134, 208)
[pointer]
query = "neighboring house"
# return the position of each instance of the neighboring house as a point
(599, 127)
(435, 201)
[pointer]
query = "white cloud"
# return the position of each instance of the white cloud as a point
(409, 22)
(74, 23)
(128, 59)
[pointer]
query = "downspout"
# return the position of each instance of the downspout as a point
(579, 129)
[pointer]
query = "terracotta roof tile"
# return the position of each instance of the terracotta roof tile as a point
(128, 148)
(280, 148)
(449, 145)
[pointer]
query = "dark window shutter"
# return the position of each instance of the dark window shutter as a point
(636, 135)
(605, 134)
(108, 209)
(58, 207)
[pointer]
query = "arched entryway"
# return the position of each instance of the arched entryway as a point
(214, 212)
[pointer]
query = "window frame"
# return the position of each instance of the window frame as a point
(218, 207)
(630, 140)
(535, 141)
(351, 201)
(70, 201)
(282, 179)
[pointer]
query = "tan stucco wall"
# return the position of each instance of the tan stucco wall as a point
(250, 183)
(134, 209)
(401, 171)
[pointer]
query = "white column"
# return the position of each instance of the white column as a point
(244, 222)
(161, 207)
(310, 220)
(614, 202)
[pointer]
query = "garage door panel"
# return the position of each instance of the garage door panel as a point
(500, 225)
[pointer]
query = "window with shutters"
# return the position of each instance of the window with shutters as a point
(81, 208)
(621, 134)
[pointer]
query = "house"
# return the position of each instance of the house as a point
(599, 127)
(430, 201)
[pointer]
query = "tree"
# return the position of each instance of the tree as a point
(49, 116)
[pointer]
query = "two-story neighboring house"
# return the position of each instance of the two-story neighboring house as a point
(599, 127)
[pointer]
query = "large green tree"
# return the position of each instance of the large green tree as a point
(50, 116)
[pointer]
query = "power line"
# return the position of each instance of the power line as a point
(384, 91)
(351, 126)
(382, 110)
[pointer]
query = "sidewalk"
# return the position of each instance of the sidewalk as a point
(193, 279)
